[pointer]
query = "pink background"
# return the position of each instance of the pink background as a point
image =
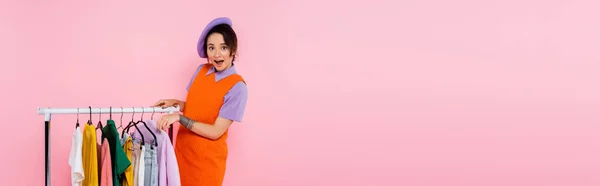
(416, 92)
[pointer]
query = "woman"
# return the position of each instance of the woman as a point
(216, 97)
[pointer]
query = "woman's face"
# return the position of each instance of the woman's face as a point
(218, 53)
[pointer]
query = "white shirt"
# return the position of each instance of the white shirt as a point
(75, 159)
(141, 167)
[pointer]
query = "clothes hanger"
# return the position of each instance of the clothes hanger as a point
(153, 110)
(126, 129)
(77, 124)
(129, 125)
(99, 125)
(90, 120)
(132, 123)
(121, 123)
(145, 125)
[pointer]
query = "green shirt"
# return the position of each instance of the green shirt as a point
(118, 158)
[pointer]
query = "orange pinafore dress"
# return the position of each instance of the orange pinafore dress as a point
(202, 161)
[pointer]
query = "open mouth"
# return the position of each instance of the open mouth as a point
(219, 62)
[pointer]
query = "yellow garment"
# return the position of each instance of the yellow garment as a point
(128, 147)
(90, 156)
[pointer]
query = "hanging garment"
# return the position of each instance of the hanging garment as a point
(119, 159)
(138, 158)
(135, 156)
(90, 156)
(128, 149)
(141, 167)
(106, 178)
(151, 166)
(99, 147)
(75, 158)
(202, 161)
(168, 170)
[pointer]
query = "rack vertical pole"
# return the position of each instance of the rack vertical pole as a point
(47, 144)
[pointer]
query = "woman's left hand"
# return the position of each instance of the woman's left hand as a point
(164, 122)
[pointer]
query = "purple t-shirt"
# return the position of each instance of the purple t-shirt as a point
(235, 100)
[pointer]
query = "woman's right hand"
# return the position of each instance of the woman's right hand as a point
(168, 103)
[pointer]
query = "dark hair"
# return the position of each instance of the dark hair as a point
(228, 35)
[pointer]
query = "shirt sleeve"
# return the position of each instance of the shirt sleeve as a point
(234, 104)
(193, 77)
(122, 161)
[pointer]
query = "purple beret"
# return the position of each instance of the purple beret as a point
(201, 45)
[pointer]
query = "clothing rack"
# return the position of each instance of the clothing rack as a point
(48, 112)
